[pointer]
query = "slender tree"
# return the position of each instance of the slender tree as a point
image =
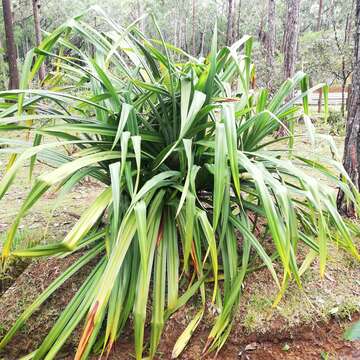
(342, 44)
(2, 67)
(202, 42)
(177, 30)
(318, 25)
(238, 21)
(234, 23)
(290, 43)
(193, 27)
(351, 159)
(185, 36)
(230, 22)
(1, 50)
(36, 12)
(291, 35)
(11, 53)
(270, 39)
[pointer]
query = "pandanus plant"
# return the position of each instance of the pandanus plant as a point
(185, 154)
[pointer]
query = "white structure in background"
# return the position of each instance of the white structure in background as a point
(335, 97)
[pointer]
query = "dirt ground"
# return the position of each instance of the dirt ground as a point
(318, 341)
(308, 342)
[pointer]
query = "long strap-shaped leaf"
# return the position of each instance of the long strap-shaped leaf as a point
(219, 171)
(230, 129)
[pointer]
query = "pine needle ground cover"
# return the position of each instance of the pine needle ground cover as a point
(189, 167)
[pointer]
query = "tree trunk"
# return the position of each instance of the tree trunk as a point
(318, 25)
(348, 97)
(202, 42)
(291, 35)
(238, 32)
(193, 27)
(343, 87)
(320, 100)
(176, 30)
(2, 67)
(186, 45)
(229, 29)
(11, 54)
(1, 52)
(233, 23)
(352, 140)
(270, 43)
(38, 38)
(290, 42)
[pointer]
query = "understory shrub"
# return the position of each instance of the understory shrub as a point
(192, 192)
(336, 122)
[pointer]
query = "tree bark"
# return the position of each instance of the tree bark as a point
(343, 87)
(291, 35)
(238, 32)
(290, 45)
(320, 100)
(38, 38)
(352, 140)
(193, 27)
(230, 23)
(318, 25)
(11, 53)
(175, 42)
(202, 42)
(270, 44)
(234, 22)
(2, 67)
(186, 45)
(1, 52)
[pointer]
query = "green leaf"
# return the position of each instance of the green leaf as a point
(353, 332)
(210, 237)
(230, 129)
(186, 334)
(125, 111)
(220, 170)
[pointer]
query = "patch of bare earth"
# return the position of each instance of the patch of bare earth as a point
(323, 340)
(24, 291)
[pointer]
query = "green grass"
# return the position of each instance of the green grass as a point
(335, 296)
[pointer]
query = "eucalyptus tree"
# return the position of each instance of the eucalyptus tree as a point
(352, 140)
(36, 6)
(271, 33)
(11, 53)
(291, 35)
